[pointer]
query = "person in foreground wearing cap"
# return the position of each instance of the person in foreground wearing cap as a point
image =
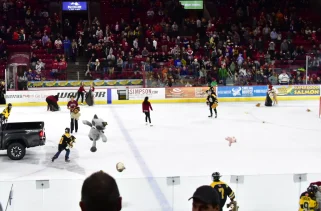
(100, 192)
(206, 198)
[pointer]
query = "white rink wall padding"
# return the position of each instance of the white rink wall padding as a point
(184, 142)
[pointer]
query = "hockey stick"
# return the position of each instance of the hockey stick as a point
(9, 198)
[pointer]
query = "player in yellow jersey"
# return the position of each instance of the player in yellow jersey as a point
(307, 199)
(6, 113)
(222, 188)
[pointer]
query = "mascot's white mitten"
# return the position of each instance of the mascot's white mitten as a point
(97, 131)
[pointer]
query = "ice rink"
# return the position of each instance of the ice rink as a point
(184, 142)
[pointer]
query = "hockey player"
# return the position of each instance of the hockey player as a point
(222, 188)
(5, 113)
(74, 113)
(52, 102)
(65, 143)
(317, 194)
(146, 110)
(308, 200)
(212, 102)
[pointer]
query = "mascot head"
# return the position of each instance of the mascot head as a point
(98, 123)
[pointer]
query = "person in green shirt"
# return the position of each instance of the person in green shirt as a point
(222, 74)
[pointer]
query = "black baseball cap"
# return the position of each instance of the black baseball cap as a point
(206, 194)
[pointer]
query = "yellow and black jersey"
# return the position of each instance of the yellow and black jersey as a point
(224, 191)
(211, 99)
(6, 112)
(307, 203)
(66, 140)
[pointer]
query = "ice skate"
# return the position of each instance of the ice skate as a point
(215, 116)
(67, 160)
(210, 116)
(53, 159)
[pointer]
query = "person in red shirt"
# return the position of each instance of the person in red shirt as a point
(72, 104)
(52, 101)
(81, 92)
(146, 109)
(74, 114)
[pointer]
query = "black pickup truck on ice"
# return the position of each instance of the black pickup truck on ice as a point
(17, 136)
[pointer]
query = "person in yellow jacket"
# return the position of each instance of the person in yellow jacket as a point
(6, 113)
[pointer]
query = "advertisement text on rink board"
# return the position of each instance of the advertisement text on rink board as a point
(40, 96)
(141, 93)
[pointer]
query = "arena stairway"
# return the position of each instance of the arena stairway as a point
(76, 70)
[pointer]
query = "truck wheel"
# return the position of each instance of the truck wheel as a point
(16, 151)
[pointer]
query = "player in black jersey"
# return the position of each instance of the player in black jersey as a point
(212, 102)
(222, 188)
(65, 143)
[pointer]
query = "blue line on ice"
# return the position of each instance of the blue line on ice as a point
(162, 200)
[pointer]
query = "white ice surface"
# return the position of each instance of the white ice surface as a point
(183, 142)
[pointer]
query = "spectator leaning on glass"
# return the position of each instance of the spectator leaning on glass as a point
(100, 192)
(205, 198)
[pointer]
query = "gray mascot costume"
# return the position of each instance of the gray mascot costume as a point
(97, 131)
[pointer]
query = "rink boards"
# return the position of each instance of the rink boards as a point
(167, 95)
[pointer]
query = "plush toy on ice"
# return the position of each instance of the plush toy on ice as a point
(231, 140)
(97, 131)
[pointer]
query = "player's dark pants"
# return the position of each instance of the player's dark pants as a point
(53, 106)
(211, 109)
(73, 125)
(80, 94)
(60, 149)
(147, 117)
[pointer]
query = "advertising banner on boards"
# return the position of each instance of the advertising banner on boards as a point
(186, 92)
(298, 90)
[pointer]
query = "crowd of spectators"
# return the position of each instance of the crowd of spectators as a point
(249, 42)
(254, 45)
(27, 26)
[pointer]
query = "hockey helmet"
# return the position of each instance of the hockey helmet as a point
(216, 176)
(67, 130)
(312, 189)
(9, 105)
